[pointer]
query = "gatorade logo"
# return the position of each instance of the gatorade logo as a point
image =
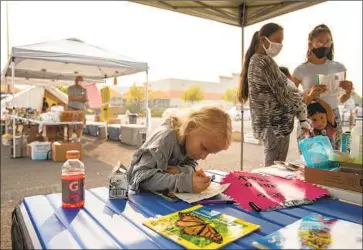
(73, 186)
(72, 190)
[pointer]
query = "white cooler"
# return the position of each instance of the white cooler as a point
(133, 134)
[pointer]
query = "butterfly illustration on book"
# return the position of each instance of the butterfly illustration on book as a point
(194, 226)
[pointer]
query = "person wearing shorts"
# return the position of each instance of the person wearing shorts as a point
(77, 100)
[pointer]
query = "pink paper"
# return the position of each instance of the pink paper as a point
(268, 192)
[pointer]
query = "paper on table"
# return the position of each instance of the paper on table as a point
(276, 170)
(332, 82)
(213, 190)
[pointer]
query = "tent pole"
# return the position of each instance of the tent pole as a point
(242, 118)
(6, 105)
(14, 113)
(242, 15)
(7, 36)
(147, 101)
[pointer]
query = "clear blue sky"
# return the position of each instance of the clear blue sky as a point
(177, 45)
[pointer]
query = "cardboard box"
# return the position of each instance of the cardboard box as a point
(108, 112)
(54, 133)
(337, 179)
(59, 150)
(102, 132)
(72, 116)
(32, 132)
(114, 121)
(28, 150)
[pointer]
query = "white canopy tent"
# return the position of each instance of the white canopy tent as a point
(241, 13)
(59, 62)
(32, 97)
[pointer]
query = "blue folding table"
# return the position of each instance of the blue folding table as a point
(41, 222)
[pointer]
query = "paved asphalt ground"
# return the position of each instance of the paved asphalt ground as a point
(23, 177)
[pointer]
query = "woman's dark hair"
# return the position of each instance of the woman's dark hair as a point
(317, 31)
(285, 71)
(267, 30)
(315, 108)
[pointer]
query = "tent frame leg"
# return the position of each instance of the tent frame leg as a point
(242, 14)
(242, 111)
(148, 112)
(14, 111)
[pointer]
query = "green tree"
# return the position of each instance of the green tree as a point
(230, 95)
(63, 89)
(136, 95)
(193, 94)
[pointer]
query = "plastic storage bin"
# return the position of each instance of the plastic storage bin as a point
(40, 150)
(316, 152)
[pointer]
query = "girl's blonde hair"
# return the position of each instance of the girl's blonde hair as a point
(211, 120)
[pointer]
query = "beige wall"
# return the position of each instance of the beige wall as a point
(209, 87)
(225, 82)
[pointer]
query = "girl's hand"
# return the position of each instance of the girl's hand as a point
(200, 183)
(346, 85)
(307, 133)
(317, 89)
(200, 172)
(173, 170)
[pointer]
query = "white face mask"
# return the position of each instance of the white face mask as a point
(274, 48)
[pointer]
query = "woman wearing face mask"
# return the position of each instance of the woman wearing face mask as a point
(320, 61)
(272, 104)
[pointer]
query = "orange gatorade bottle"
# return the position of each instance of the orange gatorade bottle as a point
(73, 176)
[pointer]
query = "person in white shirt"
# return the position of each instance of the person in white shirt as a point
(320, 57)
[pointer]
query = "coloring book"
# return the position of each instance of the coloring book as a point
(200, 227)
(314, 231)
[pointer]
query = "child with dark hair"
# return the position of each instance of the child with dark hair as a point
(322, 118)
(286, 72)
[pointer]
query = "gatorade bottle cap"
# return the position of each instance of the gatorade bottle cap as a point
(72, 154)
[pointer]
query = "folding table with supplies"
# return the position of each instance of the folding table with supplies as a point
(41, 222)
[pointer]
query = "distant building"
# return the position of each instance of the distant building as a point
(168, 92)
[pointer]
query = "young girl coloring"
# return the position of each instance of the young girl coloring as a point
(168, 158)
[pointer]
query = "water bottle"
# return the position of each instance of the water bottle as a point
(356, 140)
(73, 176)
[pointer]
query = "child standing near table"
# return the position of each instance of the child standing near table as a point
(322, 117)
(166, 162)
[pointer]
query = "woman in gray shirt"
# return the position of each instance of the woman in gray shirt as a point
(320, 57)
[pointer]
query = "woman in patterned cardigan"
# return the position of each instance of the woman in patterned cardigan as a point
(273, 106)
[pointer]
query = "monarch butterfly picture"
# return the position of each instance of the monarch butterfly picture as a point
(194, 226)
(200, 227)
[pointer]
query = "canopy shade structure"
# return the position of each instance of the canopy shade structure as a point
(232, 12)
(63, 60)
(45, 82)
(32, 97)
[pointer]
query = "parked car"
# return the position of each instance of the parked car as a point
(235, 113)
